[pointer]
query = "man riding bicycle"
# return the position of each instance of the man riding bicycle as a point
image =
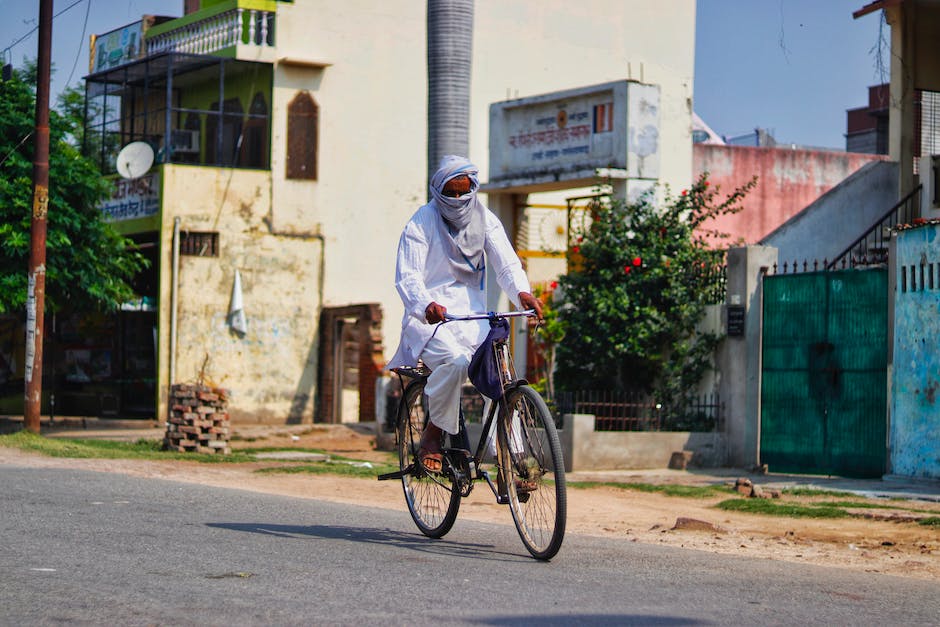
(441, 265)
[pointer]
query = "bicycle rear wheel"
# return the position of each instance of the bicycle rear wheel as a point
(433, 500)
(533, 471)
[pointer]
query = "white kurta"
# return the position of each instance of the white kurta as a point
(423, 275)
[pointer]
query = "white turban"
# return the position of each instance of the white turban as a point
(463, 223)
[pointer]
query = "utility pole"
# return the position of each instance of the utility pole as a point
(36, 295)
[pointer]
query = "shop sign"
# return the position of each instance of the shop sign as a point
(133, 198)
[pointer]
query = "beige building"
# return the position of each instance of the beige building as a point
(298, 151)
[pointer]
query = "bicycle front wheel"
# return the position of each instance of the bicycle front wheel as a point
(432, 499)
(532, 471)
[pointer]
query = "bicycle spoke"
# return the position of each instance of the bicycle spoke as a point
(534, 473)
(431, 499)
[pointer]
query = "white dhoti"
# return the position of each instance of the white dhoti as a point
(448, 363)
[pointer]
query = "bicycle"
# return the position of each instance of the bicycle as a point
(530, 470)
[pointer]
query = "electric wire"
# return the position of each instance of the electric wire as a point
(36, 27)
(81, 42)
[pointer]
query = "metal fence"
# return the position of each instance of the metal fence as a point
(613, 410)
(616, 410)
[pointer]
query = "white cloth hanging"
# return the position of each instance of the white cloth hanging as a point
(236, 310)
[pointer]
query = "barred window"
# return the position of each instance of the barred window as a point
(199, 243)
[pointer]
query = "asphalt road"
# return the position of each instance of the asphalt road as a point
(102, 548)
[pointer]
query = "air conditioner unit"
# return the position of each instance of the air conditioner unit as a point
(184, 141)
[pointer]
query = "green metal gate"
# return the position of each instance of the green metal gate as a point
(824, 373)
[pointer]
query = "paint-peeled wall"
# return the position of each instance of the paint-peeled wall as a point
(787, 182)
(271, 368)
(914, 440)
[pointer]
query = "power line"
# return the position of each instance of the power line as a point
(81, 42)
(35, 28)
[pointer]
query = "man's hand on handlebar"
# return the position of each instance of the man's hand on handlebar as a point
(434, 313)
(528, 301)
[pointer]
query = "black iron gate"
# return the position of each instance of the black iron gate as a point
(824, 373)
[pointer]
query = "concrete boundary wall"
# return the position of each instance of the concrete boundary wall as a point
(586, 449)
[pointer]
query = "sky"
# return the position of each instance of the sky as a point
(792, 67)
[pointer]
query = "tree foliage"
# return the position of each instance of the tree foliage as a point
(637, 287)
(88, 264)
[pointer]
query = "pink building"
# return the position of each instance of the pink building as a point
(788, 180)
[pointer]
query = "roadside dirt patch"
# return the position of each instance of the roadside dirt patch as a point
(882, 544)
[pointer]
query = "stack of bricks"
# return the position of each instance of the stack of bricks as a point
(198, 420)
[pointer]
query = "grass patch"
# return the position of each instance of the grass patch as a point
(769, 507)
(686, 491)
(817, 492)
(930, 521)
(345, 468)
(858, 504)
(151, 449)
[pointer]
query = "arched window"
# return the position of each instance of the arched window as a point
(303, 116)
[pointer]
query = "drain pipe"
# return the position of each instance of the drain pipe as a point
(174, 297)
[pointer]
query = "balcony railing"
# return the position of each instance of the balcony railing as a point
(212, 34)
(872, 247)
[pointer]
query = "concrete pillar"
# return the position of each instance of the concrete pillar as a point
(576, 428)
(901, 113)
(508, 208)
(739, 357)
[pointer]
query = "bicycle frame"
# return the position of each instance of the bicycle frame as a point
(529, 462)
(467, 469)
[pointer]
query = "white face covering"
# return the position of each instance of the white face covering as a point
(463, 220)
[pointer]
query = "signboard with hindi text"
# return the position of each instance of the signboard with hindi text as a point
(569, 135)
(133, 198)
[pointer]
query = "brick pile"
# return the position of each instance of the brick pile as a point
(198, 420)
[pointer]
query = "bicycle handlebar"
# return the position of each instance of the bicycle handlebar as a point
(491, 315)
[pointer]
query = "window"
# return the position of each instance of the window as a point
(302, 134)
(199, 243)
(254, 150)
(231, 118)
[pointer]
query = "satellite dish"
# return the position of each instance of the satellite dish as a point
(134, 160)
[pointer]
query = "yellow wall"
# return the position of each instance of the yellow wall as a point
(272, 368)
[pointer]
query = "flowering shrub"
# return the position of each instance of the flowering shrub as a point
(635, 291)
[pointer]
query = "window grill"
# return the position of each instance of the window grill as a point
(199, 244)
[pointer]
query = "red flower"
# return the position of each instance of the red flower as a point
(554, 285)
(684, 192)
(706, 183)
(637, 261)
(626, 269)
(576, 249)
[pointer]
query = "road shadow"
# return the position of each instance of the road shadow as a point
(371, 535)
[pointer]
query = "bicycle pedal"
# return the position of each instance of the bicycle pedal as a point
(397, 474)
(458, 453)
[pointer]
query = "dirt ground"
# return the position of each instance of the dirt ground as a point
(891, 546)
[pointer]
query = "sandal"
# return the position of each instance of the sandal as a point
(431, 462)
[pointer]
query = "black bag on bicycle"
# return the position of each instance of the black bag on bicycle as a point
(483, 370)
